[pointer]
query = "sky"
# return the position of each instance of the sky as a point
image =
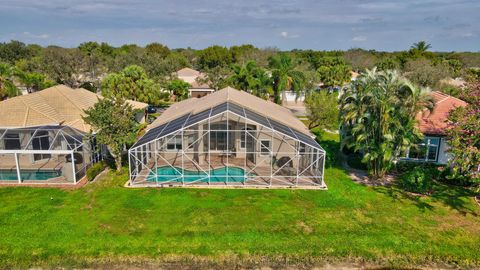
(449, 25)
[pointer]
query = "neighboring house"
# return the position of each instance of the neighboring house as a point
(433, 125)
(227, 138)
(295, 103)
(43, 138)
(192, 76)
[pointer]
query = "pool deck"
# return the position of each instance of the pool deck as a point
(263, 179)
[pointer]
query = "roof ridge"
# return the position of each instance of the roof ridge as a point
(26, 116)
(40, 112)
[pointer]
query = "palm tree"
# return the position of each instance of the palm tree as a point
(252, 79)
(285, 76)
(421, 46)
(8, 74)
(377, 113)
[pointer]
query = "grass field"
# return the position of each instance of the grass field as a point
(105, 222)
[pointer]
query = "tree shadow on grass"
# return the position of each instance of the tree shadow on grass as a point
(398, 195)
(454, 197)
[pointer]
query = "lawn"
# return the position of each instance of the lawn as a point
(104, 223)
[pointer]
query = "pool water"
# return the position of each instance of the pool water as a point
(9, 175)
(168, 173)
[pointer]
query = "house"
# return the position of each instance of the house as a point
(227, 138)
(433, 125)
(43, 138)
(191, 76)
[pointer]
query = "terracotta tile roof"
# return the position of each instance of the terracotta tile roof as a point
(435, 123)
(57, 105)
(241, 98)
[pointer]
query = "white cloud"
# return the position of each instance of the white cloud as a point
(285, 34)
(40, 36)
(359, 38)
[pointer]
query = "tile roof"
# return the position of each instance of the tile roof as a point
(241, 98)
(188, 72)
(57, 105)
(435, 122)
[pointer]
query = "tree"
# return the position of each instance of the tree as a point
(251, 78)
(13, 51)
(216, 78)
(463, 136)
(425, 73)
(377, 114)
(132, 83)
(333, 71)
(179, 88)
(34, 81)
(214, 56)
(421, 46)
(387, 63)
(285, 77)
(322, 110)
(360, 59)
(113, 122)
(8, 74)
(156, 48)
(243, 53)
(64, 66)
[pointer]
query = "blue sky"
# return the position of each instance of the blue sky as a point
(304, 24)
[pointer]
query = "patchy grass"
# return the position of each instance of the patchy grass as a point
(105, 222)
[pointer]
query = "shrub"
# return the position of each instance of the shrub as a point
(450, 178)
(95, 170)
(418, 180)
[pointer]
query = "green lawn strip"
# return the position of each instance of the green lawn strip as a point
(105, 221)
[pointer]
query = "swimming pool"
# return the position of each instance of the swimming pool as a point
(168, 173)
(9, 175)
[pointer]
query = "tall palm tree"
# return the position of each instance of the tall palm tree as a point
(251, 78)
(421, 46)
(285, 76)
(378, 112)
(8, 74)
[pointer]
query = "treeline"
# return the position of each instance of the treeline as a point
(262, 71)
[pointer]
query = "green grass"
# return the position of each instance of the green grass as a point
(107, 223)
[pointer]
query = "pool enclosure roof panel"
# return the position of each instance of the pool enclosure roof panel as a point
(190, 119)
(72, 137)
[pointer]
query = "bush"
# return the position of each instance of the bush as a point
(95, 170)
(420, 179)
(450, 178)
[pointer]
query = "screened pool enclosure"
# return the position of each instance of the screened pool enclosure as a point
(45, 155)
(226, 144)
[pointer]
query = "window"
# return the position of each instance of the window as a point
(426, 150)
(265, 147)
(242, 140)
(174, 143)
(12, 141)
(41, 141)
(218, 137)
(301, 148)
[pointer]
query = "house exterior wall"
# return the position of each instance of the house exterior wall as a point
(443, 155)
